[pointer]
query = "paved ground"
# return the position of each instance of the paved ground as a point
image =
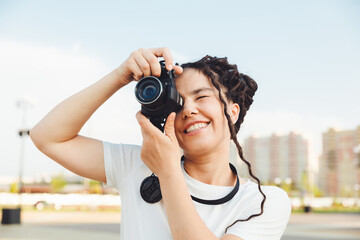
(64, 225)
(106, 226)
(323, 226)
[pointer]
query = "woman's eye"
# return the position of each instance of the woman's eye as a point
(200, 97)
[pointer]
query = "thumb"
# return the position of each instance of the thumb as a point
(145, 124)
(170, 127)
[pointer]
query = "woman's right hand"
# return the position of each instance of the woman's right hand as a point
(57, 134)
(144, 62)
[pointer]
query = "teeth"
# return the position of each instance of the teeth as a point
(196, 127)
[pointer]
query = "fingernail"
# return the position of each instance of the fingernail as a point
(170, 67)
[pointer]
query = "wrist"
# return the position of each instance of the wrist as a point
(171, 174)
(120, 76)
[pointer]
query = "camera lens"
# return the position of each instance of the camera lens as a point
(148, 90)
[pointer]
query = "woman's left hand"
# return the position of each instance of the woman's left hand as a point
(159, 151)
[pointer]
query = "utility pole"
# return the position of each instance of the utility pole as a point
(23, 132)
(13, 215)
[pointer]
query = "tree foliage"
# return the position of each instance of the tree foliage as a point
(57, 182)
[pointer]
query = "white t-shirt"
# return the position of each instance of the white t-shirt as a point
(125, 171)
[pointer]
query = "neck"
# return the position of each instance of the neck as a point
(212, 168)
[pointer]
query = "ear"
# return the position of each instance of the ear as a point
(234, 112)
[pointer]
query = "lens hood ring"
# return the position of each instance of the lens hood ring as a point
(138, 86)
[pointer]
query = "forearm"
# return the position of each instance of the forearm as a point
(184, 221)
(66, 120)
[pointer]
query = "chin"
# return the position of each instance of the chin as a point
(198, 149)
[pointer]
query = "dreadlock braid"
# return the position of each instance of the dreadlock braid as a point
(240, 89)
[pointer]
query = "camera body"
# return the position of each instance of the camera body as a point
(158, 96)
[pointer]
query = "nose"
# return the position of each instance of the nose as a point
(189, 109)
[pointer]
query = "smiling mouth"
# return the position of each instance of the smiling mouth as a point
(196, 126)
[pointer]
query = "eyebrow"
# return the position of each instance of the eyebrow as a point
(197, 91)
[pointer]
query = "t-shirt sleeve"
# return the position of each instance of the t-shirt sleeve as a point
(272, 223)
(119, 159)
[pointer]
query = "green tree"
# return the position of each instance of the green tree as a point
(318, 192)
(14, 187)
(58, 182)
(95, 187)
(305, 181)
(287, 187)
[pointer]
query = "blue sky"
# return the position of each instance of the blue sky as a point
(305, 56)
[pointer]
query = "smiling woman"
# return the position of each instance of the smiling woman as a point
(198, 195)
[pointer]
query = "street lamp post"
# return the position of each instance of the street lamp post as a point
(13, 215)
(22, 133)
(23, 104)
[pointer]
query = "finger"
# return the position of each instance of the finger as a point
(135, 69)
(155, 67)
(146, 126)
(142, 63)
(178, 70)
(166, 54)
(170, 127)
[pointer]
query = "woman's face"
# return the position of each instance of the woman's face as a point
(201, 125)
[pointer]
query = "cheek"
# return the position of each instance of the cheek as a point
(214, 109)
(218, 111)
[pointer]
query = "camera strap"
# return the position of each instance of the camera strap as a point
(151, 193)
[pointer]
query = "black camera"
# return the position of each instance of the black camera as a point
(158, 96)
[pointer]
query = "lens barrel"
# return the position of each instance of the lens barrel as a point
(148, 90)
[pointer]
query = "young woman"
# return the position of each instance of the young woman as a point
(201, 195)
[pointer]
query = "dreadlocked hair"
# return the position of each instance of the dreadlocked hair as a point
(240, 89)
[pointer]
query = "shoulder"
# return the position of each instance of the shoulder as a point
(272, 222)
(119, 160)
(121, 145)
(277, 203)
(275, 193)
(119, 150)
(272, 193)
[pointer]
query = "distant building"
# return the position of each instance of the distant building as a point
(277, 159)
(339, 171)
